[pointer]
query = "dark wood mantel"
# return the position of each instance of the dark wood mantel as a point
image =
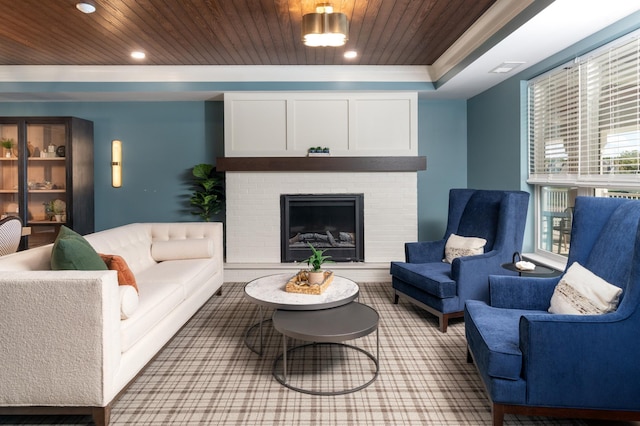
(321, 164)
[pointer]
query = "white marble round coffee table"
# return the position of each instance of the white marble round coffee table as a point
(268, 292)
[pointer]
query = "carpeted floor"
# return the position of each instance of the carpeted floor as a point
(207, 376)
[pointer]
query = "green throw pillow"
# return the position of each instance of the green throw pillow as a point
(72, 251)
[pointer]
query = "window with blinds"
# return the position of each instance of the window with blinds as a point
(584, 120)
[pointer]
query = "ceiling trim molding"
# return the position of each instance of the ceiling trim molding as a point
(501, 13)
(214, 73)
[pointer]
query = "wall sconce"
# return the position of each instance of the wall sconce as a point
(116, 163)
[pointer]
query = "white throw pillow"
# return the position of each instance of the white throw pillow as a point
(128, 301)
(194, 248)
(581, 292)
(458, 246)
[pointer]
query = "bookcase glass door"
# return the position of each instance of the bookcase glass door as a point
(9, 173)
(46, 181)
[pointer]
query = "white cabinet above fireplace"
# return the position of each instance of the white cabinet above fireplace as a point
(287, 124)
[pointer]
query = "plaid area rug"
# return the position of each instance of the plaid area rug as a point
(207, 376)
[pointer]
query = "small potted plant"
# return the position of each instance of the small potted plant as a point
(7, 144)
(58, 207)
(315, 261)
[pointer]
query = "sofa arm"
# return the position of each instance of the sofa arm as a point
(512, 292)
(60, 336)
(424, 251)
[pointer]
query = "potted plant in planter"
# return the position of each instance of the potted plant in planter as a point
(208, 195)
(58, 207)
(315, 261)
(7, 144)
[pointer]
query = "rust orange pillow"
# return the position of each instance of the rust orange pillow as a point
(117, 263)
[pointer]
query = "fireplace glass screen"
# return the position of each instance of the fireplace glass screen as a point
(330, 222)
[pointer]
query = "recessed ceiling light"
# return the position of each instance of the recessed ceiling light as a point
(138, 55)
(85, 7)
(506, 67)
(350, 54)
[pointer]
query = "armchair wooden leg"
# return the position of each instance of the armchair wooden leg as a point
(497, 412)
(444, 322)
(469, 357)
(395, 298)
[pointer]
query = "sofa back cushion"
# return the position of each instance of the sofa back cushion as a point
(480, 217)
(132, 242)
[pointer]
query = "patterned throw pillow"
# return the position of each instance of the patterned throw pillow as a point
(581, 292)
(458, 246)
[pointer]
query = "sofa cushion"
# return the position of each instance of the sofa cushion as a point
(494, 334)
(156, 301)
(458, 246)
(72, 252)
(581, 292)
(433, 278)
(189, 273)
(117, 263)
(192, 248)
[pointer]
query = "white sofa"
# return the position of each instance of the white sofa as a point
(64, 347)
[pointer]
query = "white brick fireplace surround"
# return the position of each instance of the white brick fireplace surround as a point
(253, 219)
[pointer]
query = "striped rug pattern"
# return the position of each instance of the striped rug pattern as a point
(207, 376)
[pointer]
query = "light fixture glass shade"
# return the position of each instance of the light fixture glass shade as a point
(325, 29)
(116, 163)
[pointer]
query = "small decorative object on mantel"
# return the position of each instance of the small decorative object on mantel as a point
(319, 152)
(300, 283)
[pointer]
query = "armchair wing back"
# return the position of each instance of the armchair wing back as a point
(534, 362)
(441, 288)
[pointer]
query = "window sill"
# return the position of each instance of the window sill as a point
(546, 261)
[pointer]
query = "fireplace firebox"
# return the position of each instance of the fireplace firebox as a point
(330, 222)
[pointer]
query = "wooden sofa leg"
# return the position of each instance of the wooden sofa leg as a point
(219, 292)
(101, 415)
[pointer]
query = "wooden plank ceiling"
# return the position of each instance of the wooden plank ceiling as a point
(227, 32)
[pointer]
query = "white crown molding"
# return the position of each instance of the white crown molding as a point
(214, 73)
(499, 14)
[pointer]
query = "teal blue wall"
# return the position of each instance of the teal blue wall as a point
(161, 142)
(442, 134)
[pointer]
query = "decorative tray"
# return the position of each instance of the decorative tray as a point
(300, 284)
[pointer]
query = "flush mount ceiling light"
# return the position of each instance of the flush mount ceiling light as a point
(138, 55)
(85, 7)
(324, 27)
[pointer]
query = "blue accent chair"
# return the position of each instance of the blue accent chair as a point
(536, 363)
(442, 288)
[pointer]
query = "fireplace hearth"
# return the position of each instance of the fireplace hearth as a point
(330, 222)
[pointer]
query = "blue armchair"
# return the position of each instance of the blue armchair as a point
(441, 288)
(533, 362)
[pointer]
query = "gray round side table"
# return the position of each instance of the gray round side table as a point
(326, 327)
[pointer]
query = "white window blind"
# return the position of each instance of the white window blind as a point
(584, 120)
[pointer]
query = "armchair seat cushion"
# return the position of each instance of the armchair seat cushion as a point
(495, 336)
(433, 278)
